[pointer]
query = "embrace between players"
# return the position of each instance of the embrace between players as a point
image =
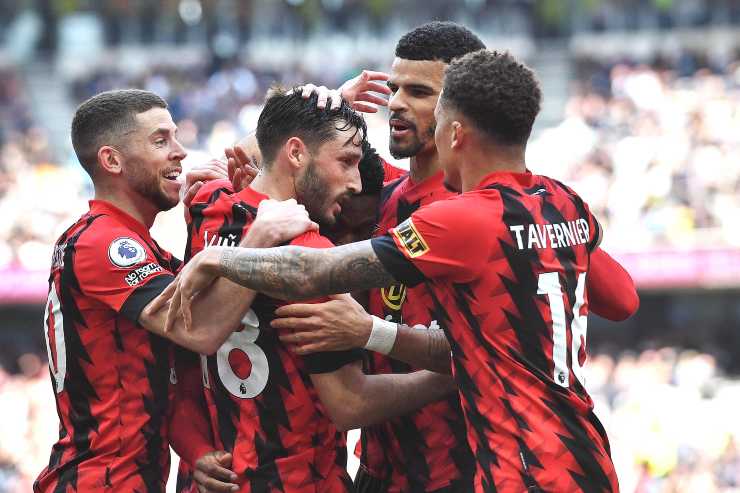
(478, 269)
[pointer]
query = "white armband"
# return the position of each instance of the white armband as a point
(383, 336)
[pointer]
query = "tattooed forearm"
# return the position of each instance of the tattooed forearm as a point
(300, 273)
(359, 268)
(227, 261)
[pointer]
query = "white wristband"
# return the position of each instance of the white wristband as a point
(383, 336)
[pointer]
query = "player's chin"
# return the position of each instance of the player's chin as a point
(329, 218)
(168, 198)
(401, 149)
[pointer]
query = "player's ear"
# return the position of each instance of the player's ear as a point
(110, 160)
(297, 153)
(458, 135)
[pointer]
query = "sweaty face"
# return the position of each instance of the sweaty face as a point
(415, 87)
(331, 176)
(152, 156)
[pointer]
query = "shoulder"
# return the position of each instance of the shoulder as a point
(212, 191)
(557, 185)
(391, 172)
(470, 207)
(312, 239)
(101, 229)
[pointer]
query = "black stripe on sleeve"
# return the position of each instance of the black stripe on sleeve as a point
(329, 361)
(597, 235)
(140, 298)
(395, 262)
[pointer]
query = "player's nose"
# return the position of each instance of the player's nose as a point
(178, 151)
(396, 102)
(354, 186)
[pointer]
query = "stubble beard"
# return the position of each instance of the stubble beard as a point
(399, 151)
(312, 192)
(146, 184)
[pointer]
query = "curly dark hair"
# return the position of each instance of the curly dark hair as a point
(372, 173)
(498, 93)
(105, 118)
(290, 115)
(438, 41)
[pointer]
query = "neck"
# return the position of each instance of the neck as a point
(132, 204)
(424, 165)
(484, 160)
(278, 186)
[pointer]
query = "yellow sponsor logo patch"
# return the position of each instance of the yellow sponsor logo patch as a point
(410, 239)
(394, 296)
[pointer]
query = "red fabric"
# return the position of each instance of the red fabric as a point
(392, 172)
(506, 266)
(113, 379)
(611, 290)
(191, 431)
(425, 450)
(262, 405)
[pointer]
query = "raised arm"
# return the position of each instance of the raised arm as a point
(303, 273)
(289, 272)
(275, 222)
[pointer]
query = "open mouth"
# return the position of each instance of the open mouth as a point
(399, 127)
(172, 174)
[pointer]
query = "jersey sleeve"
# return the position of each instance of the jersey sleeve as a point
(447, 239)
(594, 228)
(326, 361)
(196, 215)
(116, 267)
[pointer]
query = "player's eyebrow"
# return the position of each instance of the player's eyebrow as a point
(420, 87)
(352, 154)
(162, 131)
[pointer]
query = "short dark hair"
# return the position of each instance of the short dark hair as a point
(500, 95)
(437, 40)
(287, 115)
(104, 118)
(372, 173)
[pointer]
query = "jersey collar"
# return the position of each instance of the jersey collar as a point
(525, 179)
(104, 207)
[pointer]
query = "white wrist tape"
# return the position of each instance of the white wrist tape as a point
(383, 336)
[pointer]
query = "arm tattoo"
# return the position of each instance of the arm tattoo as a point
(227, 261)
(301, 273)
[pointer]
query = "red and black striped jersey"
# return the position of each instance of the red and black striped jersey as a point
(112, 378)
(425, 450)
(391, 172)
(184, 482)
(262, 404)
(506, 267)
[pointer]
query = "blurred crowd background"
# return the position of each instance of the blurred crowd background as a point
(641, 117)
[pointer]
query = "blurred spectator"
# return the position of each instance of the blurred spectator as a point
(29, 426)
(654, 152)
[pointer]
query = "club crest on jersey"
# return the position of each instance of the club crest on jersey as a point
(410, 239)
(393, 296)
(125, 252)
